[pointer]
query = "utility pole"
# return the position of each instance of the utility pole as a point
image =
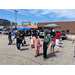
(15, 17)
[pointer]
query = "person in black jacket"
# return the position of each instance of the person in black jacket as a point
(18, 40)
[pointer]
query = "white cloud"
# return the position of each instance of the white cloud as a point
(33, 11)
(21, 11)
(11, 10)
(67, 13)
(57, 13)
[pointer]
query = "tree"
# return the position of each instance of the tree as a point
(35, 23)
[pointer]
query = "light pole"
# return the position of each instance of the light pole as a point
(15, 17)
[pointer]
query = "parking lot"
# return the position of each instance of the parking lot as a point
(9, 55)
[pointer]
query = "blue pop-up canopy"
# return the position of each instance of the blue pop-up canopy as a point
(8, 28)
(24, 28)
(15, 28)
(1, 28)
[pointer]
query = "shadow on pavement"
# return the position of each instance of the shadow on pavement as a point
(13, 44)
(52, 55)
(61, 46)
(26, 44)
(61, 43)
(40, 54)
(24, 49)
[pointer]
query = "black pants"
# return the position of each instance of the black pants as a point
(45, 50)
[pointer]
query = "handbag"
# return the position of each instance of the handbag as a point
(24, 42)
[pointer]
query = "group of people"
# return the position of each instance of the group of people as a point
(20, 36)
(48, 38)
(37, 42)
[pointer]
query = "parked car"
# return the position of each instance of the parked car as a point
(33, 32)
(41, 33)
(63, 34)
(0, 32)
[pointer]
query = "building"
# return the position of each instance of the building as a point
(32, 26)
(13, 23)
(65, 25)
(26, 23)
(4, 22)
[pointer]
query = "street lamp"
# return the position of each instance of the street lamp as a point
(15, 17)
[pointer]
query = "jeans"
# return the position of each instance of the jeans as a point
(18, 46)
(45, 50)
(10, 40)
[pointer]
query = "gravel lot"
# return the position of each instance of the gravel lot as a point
(9, 55)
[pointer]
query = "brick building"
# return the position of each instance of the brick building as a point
(65, 25)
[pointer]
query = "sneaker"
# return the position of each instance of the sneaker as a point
(35, 55)
(9, 44)
(18, 50)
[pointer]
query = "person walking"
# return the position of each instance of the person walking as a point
(74, 46)
(18, 41)
(31, 37)
(9, 37)
(57, 39)
(23, 37)
(53, 44)
(46, 42)
(37, 43)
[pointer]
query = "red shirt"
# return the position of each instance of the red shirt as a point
(12, 31)
(53, 40)
(58, 35)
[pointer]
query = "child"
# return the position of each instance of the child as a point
(74, 46)
(53, 43)
(37, 44)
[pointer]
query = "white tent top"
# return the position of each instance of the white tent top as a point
(52, 26)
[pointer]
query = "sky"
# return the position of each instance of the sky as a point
(38, 15)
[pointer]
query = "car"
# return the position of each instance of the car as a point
(33, 32)
(63, 34)
(0, 32)
(41, 33)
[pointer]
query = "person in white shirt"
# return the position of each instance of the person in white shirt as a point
(31, 37)
(53, 30)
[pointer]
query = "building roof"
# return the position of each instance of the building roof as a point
(2, 26)
(14, 26)
(19, 26)
(32, 26)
